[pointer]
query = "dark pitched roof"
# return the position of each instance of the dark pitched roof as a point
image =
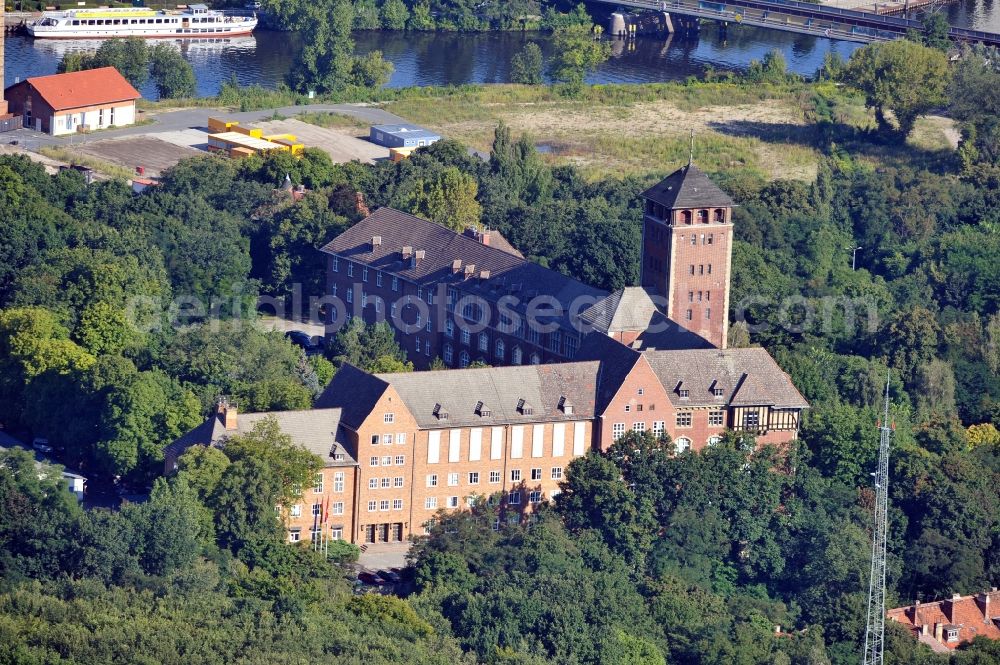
(688, 187)
(745, 376)
(616, 361)
(500, 390)
(316, 430)
(509, 274)
(354, 392)
(628, 309)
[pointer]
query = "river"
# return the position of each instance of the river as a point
(448, 58)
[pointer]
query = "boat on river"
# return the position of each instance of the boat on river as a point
(195, 22)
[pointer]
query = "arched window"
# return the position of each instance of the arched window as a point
(500, 349)
(703, 217)
(714, 440)
(686, 216)
(720, 215)
(463, 359)
(535, 360)
(515, 355)
(682, 444)
(448, 355)
(484, 341)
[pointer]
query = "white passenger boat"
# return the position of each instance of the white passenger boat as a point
(197, 21)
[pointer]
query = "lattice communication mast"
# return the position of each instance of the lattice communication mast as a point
(875, 632)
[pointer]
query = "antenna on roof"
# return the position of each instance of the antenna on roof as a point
(691, 154)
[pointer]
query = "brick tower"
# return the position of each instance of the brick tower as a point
(3, 30)
(687, 248)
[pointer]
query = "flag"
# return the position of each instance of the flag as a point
(326, 510)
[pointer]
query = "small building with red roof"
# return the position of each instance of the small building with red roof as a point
(945, 624)
(74, 101)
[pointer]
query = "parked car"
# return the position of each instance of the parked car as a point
(370, 579)
(391, 576)
(41, 445)
(301, 339)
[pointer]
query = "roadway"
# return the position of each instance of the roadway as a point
(803, 17)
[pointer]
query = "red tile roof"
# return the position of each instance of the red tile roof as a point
(90, 87)
(974, 616)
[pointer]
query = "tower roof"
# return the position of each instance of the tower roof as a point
(688, 187)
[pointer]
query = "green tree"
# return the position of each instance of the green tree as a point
(130, 56)
(172, 74)
(449, 198)
(772, 69)
(394, 15)
(900, 77)
(293, 467)
(526, 65)
(202, 467)
(373, 347)
(576, 53)
(244, 502)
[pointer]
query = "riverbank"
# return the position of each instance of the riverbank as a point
(768, 131)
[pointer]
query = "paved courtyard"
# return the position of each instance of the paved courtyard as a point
(343, 145)
(154, 155)
(384, 556)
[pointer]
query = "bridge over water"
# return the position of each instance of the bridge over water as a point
(802, 17)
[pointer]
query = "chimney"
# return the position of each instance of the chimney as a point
(228, 413)
(925, 629)
(456, 266)
(470, 270)
(420, 254)
(939, 632)
(407, 252)
(948, 606)
(376, 242)
(480, 236)
(983, 601)
(484, 274)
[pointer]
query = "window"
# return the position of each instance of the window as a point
(639, 427)
(395, 283)
(448, 356)
(383, 505)
(952, 634)
(684, 393)
(628, 408)
(387, 439)
(392, 310)
(751, 420)
(364, 273)
(338, 481)
(474, 478)
(397, 481)
(617, 431)
(463, 359)
(710, 237)
(535, 496)
(378, 278)
(689, 315)
(373, 483)
(557, 473)
(452, 479)
(401, 439)
(350, 269)
(515, 475)
(692, 269)
(337, 507)
(484, 341)
(709, 268)
(397, 504)
(717, 392)
(514, 498)
(318, 484)
(349, 295)
(400, 460)
(337, 532)
(499, 352)
(432, 480)
(294, 535)
(682, 444)
(296, 510)
(466, 336)
(449, 328)
(658, 426)
(708, 312)
(494, 477)
(386, 483)
(684, 419)
(430, 503)
(536, 474)
(716, 418)
(372, 506)
(515, 355)
(389, 418)
(373, 461)
(387, 460)
(453, 502)
(714, 440)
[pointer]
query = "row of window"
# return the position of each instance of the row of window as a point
(701, 238)
(703, 269)
(563, 434)
(387, 460)
(427, 296)
(383, 505)
(336, 533)
(387, 439)
(338, 482)
(464, 359)
(336, 508)
(556, 341)
(513, 499)
(555, 473)
(385, 483)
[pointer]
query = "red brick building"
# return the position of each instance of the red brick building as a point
(945, 624)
